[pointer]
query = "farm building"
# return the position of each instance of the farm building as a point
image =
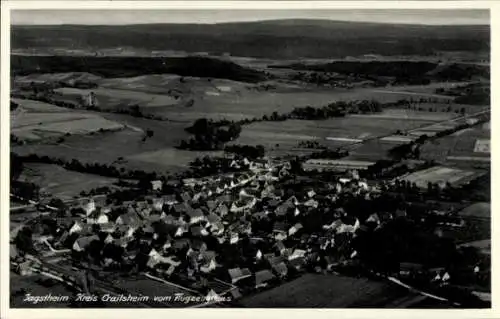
(335, 165)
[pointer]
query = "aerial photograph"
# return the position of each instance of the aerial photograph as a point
(215, 158)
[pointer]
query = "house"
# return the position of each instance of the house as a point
(311, 193)
(234, 238)
(280, 269)
(169, 199)
(311, 203)
(13, 251)
(156, 185)
(298, 264)
(209, 266)
(222, 210)
(373, 218)
(130, 219)
(294, 229)
(180, 244)
(108, 227)
(283, 209)
(195, 215)
(235, 293)
(186, 197)
(263, 277)
(211, 205)
(243, 205)
(407, 268)
(109, 239)
(76, 228)
(198, 231)
(280, 247)
(297, 253)
(83, 242)
(24, 268)
(97, 217)
(181, 208)
(89, 207)
(180, 230)
(157, 203)
(237, 274)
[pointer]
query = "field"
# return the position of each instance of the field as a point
(33, 285)
(461, 146)
(109, 98)
(441, 175)
(125, 148)
(282, 137)
(327, 291)
(143, 286)
(60, 182)
(38, 121)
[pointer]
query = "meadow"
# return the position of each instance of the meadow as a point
(282, 137)
(327, 291)
(38, 121)
(441, 175)
(62, 183)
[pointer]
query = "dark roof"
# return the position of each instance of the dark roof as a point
(85, 241)
(130, 218)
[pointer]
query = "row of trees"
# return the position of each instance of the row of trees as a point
(248, 151)
(210, 135)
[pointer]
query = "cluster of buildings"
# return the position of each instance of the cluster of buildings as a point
(251, 229)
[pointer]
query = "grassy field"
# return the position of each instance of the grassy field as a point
(461, 145)
(36, 121)
(156, 153)
(113, 98)
(327, 291)
(61, 183)
(441, 175)
(280, 137)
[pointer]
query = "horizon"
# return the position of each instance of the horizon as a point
(212, 17)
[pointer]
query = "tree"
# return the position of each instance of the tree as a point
(24, 240)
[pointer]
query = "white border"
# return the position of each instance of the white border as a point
(231, 5)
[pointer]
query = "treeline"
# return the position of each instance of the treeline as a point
(248, 151)
(111, 67)
(398, 72)
(311, 144)
(210, 135)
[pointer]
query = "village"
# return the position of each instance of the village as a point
(226, 236)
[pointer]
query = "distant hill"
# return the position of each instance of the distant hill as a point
(133, 66)
(272, 39)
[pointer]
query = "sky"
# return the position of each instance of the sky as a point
(120, 17)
